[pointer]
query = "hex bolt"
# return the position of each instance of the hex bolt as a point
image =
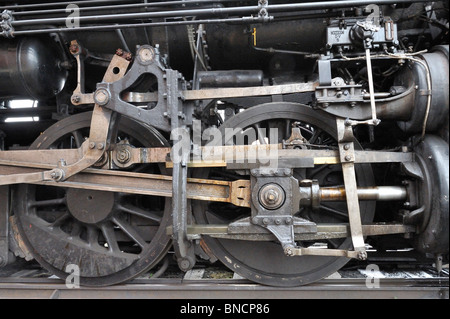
(123, 156)
(348, 158)
(266, 221)
(91, 145)
(288, 220)
(346, 147)
(100, 146)
(278, 221)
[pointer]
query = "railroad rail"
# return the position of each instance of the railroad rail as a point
(195, 285)
(344, 288)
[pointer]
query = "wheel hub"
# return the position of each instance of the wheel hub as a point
(90, 206)
(271, 196)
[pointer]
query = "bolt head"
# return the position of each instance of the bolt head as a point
(146, 54)
(102, 96)
(271, 196)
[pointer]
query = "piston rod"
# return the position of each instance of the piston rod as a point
(379, 193)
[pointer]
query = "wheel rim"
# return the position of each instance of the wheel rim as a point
(111, 237)
(265, 262)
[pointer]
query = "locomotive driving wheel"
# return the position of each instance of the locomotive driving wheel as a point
(111, 237)
(265, 262)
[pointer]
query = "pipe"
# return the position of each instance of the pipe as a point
(214, 11)
(141, 25)
(121, 7)
(55, 4)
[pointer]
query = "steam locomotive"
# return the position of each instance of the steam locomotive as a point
(280, 138)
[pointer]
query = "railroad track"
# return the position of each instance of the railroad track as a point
(217, 283)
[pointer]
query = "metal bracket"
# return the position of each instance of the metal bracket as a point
(5, 24)
(263, 13)
(275, 200)
(146, 62)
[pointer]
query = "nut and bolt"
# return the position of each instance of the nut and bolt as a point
(348, 158)
(288, 251)
(101, 96)
(272, 196)
(74, 48)
(146, 54)
(76, 99)
(123, 156)
(362, 255)
(57, 174)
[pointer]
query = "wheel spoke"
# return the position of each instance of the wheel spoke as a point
(315, 136)
(110, 237)
(334, 211)
(261, 137)
(76, 229)
(78, 138)
(49, 202)
(92, 235)
(152, 215)
(60, 220)
(130, 231)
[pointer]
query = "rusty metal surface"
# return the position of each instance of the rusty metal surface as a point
(246, 231)
(149, 184)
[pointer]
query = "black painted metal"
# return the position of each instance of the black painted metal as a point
(31, 67)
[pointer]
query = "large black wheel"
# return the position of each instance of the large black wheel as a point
(265, 262)
(111, 237)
